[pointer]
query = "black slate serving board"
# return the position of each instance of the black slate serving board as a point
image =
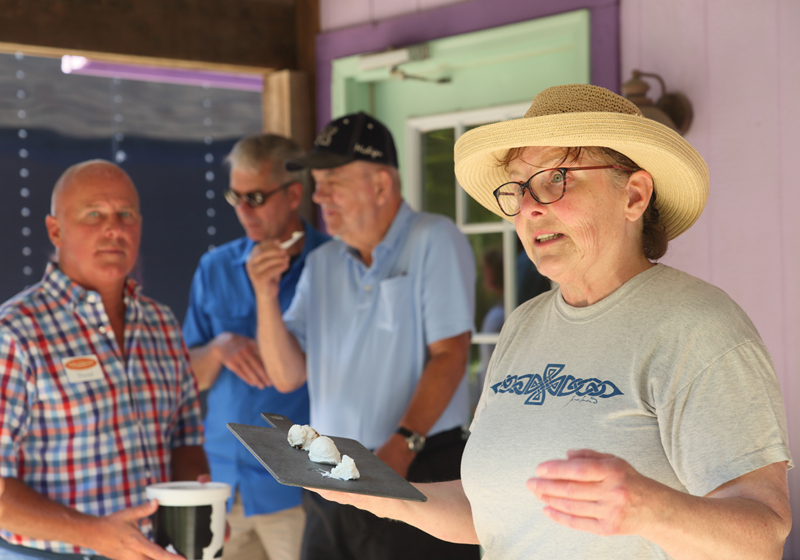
(292, 467)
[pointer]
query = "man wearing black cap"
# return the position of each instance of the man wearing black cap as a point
(379, 328)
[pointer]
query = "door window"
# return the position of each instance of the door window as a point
(503, 271)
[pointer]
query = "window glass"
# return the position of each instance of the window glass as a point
(436, 190)
(528, 281)
(438, 176)
(476, 213)
(488, 249)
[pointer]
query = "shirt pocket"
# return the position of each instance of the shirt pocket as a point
(233, 317)
(395, 304)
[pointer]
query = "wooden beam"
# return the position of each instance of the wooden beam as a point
(256, 33)
(285, 104)
(286, 99)
(53, 52)
(307, 18)
(307, 22)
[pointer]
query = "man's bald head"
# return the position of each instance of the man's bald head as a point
(95, 225)
(94, 169)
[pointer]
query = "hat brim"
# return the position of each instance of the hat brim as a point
(317, 159)
(679, 173)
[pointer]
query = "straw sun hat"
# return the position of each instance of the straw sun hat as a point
(586, 115)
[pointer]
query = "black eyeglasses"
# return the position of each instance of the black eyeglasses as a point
(546, 187)
(253, 199)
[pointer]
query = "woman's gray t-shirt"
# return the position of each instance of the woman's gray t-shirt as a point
(667, 373)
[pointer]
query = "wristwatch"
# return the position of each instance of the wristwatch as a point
(416, 442)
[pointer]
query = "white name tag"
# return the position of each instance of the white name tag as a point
(81, 369)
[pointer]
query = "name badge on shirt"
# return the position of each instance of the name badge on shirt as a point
(81, 369)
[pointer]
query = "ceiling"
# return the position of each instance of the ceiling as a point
(36, 94)
(271, 34)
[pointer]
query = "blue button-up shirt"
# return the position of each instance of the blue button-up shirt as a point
(222, 299)
(366, 330)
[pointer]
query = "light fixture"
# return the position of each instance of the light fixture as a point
(672, 109)
(392, 58)
(225, 80)
(397, 73)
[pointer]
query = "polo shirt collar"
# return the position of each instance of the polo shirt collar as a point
(246, 248)
(395, 235)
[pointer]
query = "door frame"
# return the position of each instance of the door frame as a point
(465, 17)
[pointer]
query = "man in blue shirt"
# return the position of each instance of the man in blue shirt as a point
(380, 328)
(220, 328)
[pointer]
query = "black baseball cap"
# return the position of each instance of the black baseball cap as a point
(355, 137)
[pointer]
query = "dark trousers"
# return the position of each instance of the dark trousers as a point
(338, 532)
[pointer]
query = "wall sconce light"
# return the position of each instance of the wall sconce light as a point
(672, 109)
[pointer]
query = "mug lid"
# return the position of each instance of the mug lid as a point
(188, 493)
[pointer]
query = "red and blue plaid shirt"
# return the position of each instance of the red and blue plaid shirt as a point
(93, 445)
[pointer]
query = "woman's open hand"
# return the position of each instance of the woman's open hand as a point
(595, 492)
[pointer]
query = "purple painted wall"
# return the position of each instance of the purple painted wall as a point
(737, 62)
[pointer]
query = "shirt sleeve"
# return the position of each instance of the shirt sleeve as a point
(197, 328)
(17, 386)
(728, 421)
(448, 296)
(295, 316)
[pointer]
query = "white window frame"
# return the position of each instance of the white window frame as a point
(459, 121)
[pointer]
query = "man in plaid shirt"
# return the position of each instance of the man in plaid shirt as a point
(98, 398)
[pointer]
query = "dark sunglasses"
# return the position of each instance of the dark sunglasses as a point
(253, 199)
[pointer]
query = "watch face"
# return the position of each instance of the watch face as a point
(416, 442)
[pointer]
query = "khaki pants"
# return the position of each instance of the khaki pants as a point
(271, 536)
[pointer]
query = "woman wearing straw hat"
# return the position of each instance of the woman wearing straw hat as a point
(634, 411)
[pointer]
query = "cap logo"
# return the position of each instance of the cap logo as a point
(326, 136)
(368, 151)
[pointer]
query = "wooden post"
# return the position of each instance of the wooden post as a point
(308, 27)
(285, 103)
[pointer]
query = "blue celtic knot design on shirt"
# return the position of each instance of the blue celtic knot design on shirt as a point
(538, 386)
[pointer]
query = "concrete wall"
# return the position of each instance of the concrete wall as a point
(737, 60)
